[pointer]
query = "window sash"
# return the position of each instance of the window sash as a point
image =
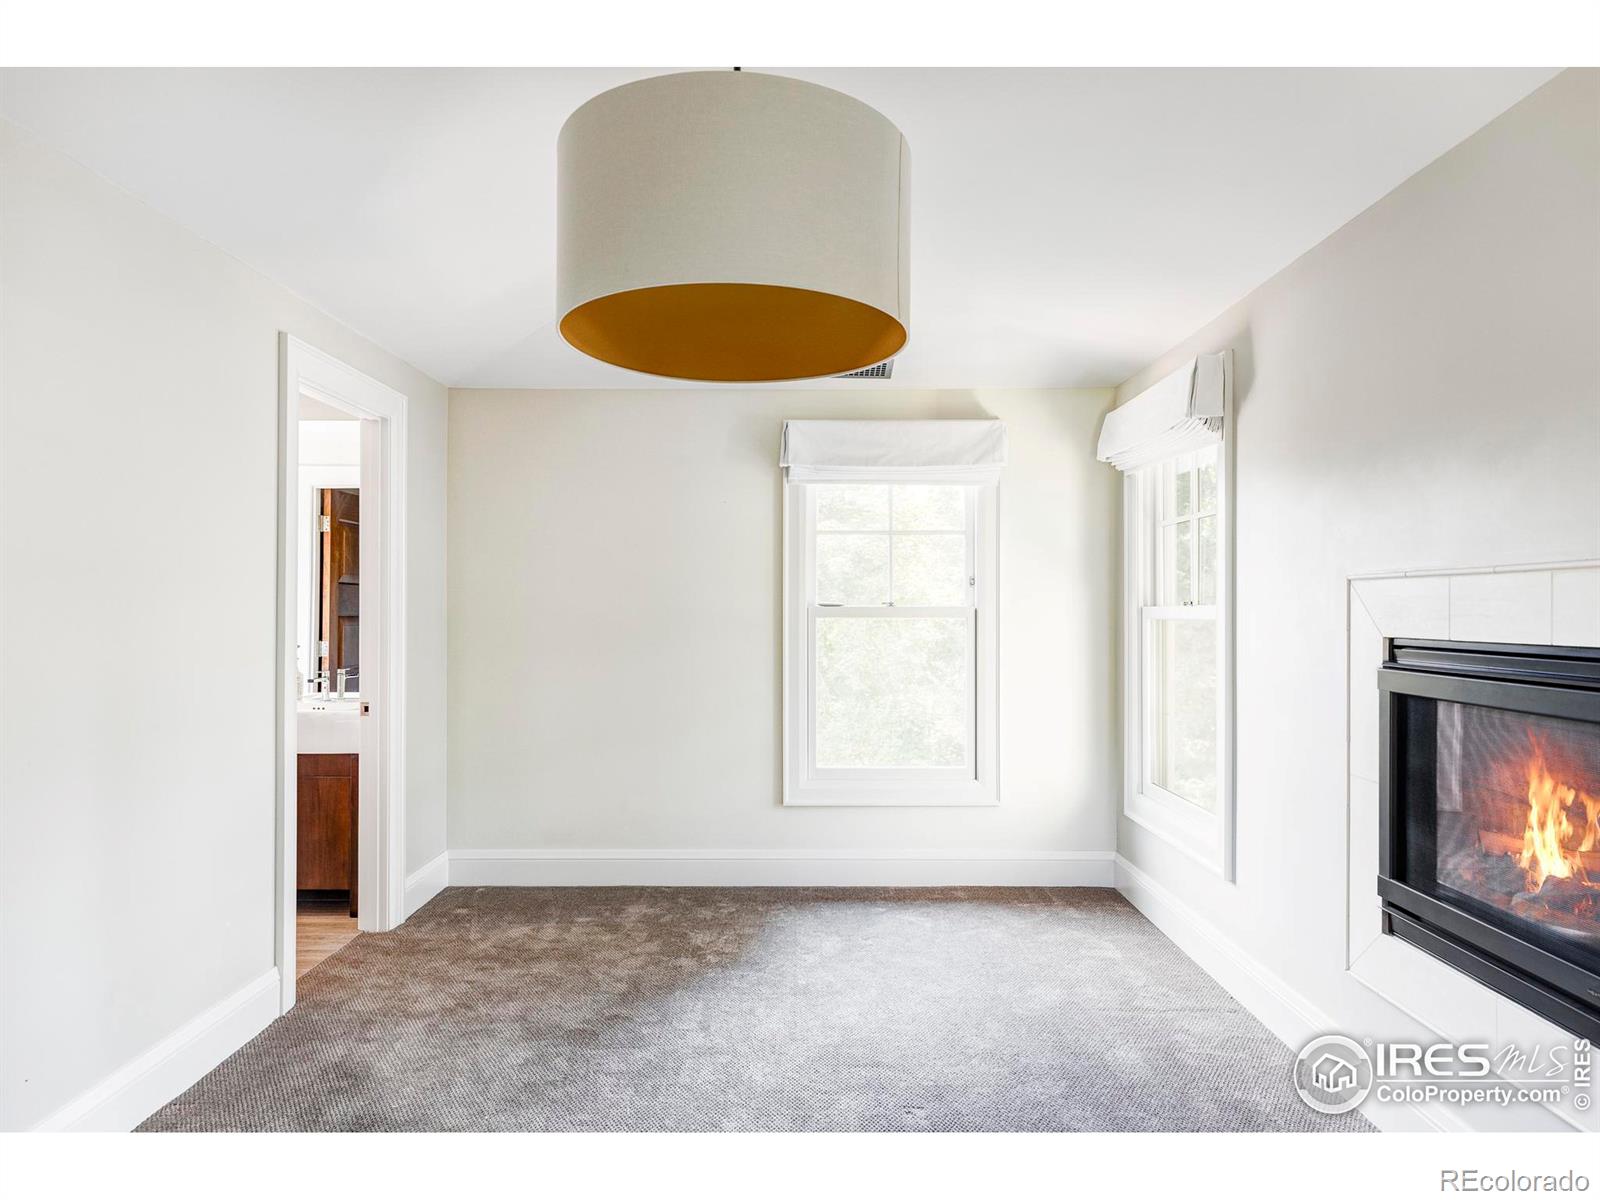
(1152, 736)
(968, 768)
(1173, 528)
(969, 501)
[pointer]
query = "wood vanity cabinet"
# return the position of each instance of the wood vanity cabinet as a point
(326, 837)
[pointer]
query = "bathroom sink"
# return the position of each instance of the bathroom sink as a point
(328, 704)
(329, 726)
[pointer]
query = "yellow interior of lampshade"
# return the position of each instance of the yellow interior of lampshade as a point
(733, 332)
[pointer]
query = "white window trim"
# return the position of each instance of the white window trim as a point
(1207, 837)
(918, 787)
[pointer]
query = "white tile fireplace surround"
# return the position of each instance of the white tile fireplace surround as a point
(1554, 604)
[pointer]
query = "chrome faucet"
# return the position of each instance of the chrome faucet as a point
(319, 683)
(342, 680)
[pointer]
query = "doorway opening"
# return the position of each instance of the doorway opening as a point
(327, 682)
(341, 636)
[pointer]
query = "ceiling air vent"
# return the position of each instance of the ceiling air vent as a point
(882, 371)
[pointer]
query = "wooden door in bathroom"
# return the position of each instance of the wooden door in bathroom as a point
(341, 584)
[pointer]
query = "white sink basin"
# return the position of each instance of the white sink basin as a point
(328, 727)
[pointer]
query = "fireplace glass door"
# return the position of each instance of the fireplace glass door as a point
(1501, 820)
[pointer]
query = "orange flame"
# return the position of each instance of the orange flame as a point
(1545, 854)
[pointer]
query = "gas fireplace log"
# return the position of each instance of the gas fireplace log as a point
(1499, 843)
(1562, 905)
(1494, 879)
(1505, 843)
(1566, 894)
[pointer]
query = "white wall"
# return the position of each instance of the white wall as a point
(138, 516)
(615, 616)
(330, 443)
(1420, 390)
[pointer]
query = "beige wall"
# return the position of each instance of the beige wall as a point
(1420, 390)
(615, 616)
(138, 518)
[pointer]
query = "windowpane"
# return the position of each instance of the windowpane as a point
(1207, 560)
(1184, 676)
(1181, 482)
(1166, 551)
(1206, 474)
(852, 505)
(1176, 563)
(852, 568)
(930, 506)
(892, 691)
(930, 569)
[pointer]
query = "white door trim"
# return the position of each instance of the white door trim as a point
(305, 370)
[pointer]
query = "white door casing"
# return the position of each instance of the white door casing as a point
(306, 371)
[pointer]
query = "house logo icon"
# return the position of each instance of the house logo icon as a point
(1333, 1074)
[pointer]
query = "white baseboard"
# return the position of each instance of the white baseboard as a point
(1292, 1017)
(136, 1089)
(426, 882)
(781, 868)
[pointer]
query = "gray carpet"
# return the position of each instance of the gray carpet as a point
(772, 1009)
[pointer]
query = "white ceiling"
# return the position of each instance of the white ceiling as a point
(1067, 225)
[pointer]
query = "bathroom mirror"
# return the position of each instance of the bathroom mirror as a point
(329, 559)
(336, 593)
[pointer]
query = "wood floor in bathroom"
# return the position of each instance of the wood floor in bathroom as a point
(322, 927)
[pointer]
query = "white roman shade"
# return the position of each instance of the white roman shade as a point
(1182, 412)
(949, 451)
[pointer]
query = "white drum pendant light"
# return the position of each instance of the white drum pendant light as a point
(731, 226)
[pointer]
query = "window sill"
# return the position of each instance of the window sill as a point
(1196, 833)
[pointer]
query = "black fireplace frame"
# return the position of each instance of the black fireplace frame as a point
(1554, 681)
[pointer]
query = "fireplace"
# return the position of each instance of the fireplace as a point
(1489, 820)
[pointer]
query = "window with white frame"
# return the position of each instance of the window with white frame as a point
(1176, 604)
(889, 642)
(1179, 631)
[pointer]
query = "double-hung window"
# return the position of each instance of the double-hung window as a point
(889, 634)
(1179, 631)
(1176, 631)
